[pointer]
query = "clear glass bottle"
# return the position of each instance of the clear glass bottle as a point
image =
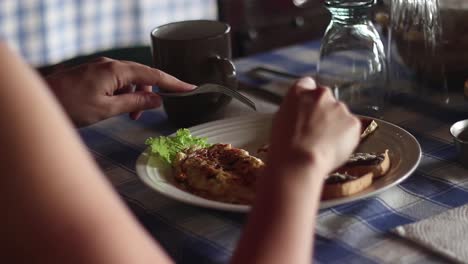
(352, 58)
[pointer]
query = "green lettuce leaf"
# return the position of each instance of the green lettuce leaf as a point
(167, 147)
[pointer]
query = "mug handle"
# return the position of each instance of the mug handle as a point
(226, 69)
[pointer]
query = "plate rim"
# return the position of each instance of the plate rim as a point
(141, 171)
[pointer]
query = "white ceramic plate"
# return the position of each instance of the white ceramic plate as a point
(252, 131)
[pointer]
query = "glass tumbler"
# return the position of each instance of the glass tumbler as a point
(352, 59)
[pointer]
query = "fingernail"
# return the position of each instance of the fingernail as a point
(189, 87)
(307, 83)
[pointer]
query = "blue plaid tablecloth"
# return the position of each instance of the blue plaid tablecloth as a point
(49, 31)
(357, 232)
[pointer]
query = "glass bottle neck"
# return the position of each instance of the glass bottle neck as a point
(349, 12)
(350, 18)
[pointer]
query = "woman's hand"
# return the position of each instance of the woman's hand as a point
(312, 129)
(104, 88)
(312, 135)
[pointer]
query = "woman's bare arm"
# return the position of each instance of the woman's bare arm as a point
(56, 206)
(312, 135)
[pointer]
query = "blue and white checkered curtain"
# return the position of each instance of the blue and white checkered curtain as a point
(48, 31)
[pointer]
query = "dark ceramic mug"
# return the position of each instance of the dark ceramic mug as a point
(197, 52)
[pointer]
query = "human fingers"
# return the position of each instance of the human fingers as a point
(306, 83)
(145, 88)
(315, 104)
(126, 89)
(125, 73)
(301, 85)
(351, 127)
(346, 130)
(133, 102)
(286, 120)
(289, 104)
(289, 119)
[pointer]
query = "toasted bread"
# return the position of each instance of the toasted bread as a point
(356, 175)
(348, 185)
(362, 163)
(368, 126)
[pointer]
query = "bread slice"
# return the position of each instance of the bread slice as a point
(342, 185)
(368, 126)
(361, 163)
(356, 175)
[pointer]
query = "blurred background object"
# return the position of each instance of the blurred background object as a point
(260, 25)
(427, 45)
(49, 31)
(46, 32)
